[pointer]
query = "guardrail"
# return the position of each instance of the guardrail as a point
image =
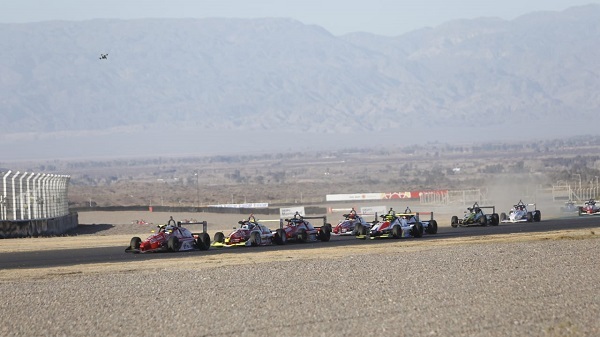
(29, 196)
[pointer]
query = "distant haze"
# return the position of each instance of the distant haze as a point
(206, 86)
(384, 17)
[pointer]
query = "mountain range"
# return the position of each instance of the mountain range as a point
(166, 85)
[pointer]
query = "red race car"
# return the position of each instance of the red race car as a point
(172, 238)
(349, 225)
(299, 229)
(590, 208)
(250, 233)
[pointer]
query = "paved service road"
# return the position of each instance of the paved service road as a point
(57, 258)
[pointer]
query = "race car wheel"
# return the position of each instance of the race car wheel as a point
(454, 221)
(537, 216)
(255, 239)
(360, 230)
(219, 237)
(324, 234)
(417, 229)
(173, 244)
(432, 228)
(529, 217)
(580, 211)
(483, 220)
(302, 235)
(495, 219)
(203, 241)
(396, 232)
(135, 242)
(280, 237)
(503, 216)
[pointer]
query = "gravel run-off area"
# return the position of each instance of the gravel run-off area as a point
(525, 288)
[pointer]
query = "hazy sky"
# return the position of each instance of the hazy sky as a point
(385, 17)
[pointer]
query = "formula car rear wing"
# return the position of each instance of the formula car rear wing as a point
(417, 215)
(488, 207)
(324, 217)
(203, 223)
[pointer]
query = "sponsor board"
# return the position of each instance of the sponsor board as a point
(246, 205)
(289, 212)
(372, 210)
(356, 196)
(399, 195)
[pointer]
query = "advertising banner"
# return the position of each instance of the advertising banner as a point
(289, 212)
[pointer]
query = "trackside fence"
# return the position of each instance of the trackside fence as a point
(34, 204)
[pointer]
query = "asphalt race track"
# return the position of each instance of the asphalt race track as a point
(67, 257)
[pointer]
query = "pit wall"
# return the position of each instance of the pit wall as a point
(38, 227)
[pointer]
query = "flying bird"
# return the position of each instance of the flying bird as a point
(103, 56)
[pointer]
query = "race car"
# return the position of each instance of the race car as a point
(429, 226)
(300, 230)
(519, 213)
(392, 225)
(474, 216)
(348, 225)
(569, 207)
(589, 208)
(250, 233)
(171, 238)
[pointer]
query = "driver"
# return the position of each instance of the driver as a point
(171, 222)
(391, 215)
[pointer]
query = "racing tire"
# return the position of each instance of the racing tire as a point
(537, 216)
(529, 217)
(329, 227)
(454, 221)
(356, 229)
(324, 234)
(580, 211)
(219, 237)
(483, 220)
(503, 216)
(280, 237)
(432, 228)
(360, 230)
(203, 241)
(255, 239)
(173, 244)
(135, 242)
(302, 235)
(495, 219)
(396, 232)
(417, 231)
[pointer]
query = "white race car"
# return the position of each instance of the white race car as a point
(520, 213)
(392, 226)
(429, 226)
